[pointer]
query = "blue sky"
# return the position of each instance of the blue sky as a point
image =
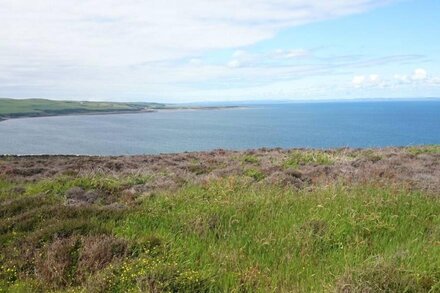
(195, 50)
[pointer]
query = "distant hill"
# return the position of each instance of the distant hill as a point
(14, 108)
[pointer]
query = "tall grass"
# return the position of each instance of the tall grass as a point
(221, 236)
(272, 239)
(111, 184)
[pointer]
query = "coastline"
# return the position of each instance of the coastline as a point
(43, 115)
(92, 113)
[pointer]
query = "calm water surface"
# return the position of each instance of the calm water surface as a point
(318, 125)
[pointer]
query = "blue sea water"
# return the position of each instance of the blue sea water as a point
(317, 125)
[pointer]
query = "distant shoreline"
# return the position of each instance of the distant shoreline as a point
(31, 115)
(94, 113)
(35, 108)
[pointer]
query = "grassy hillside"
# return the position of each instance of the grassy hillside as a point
(258, 221)
(12, 108)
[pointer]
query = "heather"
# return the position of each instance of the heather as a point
(267, 220)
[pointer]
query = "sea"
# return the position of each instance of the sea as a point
(286, 125)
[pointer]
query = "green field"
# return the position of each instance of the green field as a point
(14, 108)
(237, 233)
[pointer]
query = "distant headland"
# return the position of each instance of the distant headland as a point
(26, 108)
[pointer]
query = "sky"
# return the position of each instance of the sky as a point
(219, 50)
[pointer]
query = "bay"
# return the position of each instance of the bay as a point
(311, 125)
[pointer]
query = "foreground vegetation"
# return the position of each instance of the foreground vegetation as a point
(114, 230)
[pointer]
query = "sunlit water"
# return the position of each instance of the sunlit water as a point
(318, 125)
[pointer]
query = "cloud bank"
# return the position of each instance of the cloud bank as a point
(137, 49)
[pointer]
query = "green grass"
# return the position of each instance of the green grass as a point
(297, 158)
(109, 184)
(429, 149)
(256, 174)
(270, 238)
(222, 236)
(251, 159)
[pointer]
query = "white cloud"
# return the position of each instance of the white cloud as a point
(196, 61)
(418, 79)
(402, 78)
(241, 58)
(419, 74)
(294, 53)
(234, 63)
(374, 78)
(240, 54)
(435, 80)
(358, 80)
(114, 32)
(370, 80)
(47, 47)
